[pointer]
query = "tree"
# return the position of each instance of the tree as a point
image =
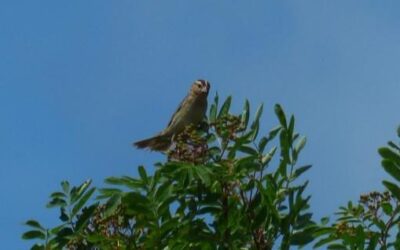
(222, 187)
(373, 222)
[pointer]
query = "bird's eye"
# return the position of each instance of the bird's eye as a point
(199, 85)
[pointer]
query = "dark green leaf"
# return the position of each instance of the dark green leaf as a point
(63, 215)
(34, 234)
(387, 208)
(281, 115)
(35, 224)
(112, 204)
(394, 146)
(108, 192)
(204, 174)
(143, 174)
(301, 170)
(84, 217)
(75, 196)
(56, 202)
(38, 247)
(256, 121)
(82, 201)
(325, 241)
(58, 195)
(65, 186)
(393, 188)
(301, 238)
(164, 192)
(274, 132)
(291, 126)
(245, 115)
(225, 107)
(324, 220)
(262, 144)
(391, 168)
(247, 150)
(389, 154)
(213, 113)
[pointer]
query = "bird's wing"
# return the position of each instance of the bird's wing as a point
(177, 111)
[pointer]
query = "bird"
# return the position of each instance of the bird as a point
(191, 111)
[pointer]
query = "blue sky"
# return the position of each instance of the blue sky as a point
(80, 80)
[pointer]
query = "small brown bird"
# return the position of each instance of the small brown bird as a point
(191, 111)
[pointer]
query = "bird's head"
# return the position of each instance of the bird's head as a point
(201, 87)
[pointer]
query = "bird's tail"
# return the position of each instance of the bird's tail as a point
(156, 143)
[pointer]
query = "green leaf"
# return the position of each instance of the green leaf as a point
(325, 241)
(281, 115)
(34, 234)
(38, 247)
(245, 115)
(267, 158)
(56, 202)
(291, 126)
(393, 188)
(324, 220)
(301, 238)
(204, 175)
(247, 150)
(164, 192)
(112, 204)
(301, 170)
(82, 201)
(225, 107)
(58, 195)
(394, 146)
(389, 154)
(76, 193)
(35, 224)
(143, 174)
(262, 144)
(387, 208)
(213, 113)
(272, 134)
(84, 217)
(65, 186)
(125, 181)
(257, 116)
(300, 145)
(63, 214)
(391, 168)
(108, 192)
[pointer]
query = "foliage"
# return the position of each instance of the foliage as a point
(221, 188)
(372, 223)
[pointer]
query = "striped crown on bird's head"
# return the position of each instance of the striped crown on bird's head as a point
(201, 87)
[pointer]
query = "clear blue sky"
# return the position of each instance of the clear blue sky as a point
(80, 80)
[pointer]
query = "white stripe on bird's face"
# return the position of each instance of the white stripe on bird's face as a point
(203, 86)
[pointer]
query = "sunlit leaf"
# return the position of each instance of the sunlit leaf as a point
(267, 158)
